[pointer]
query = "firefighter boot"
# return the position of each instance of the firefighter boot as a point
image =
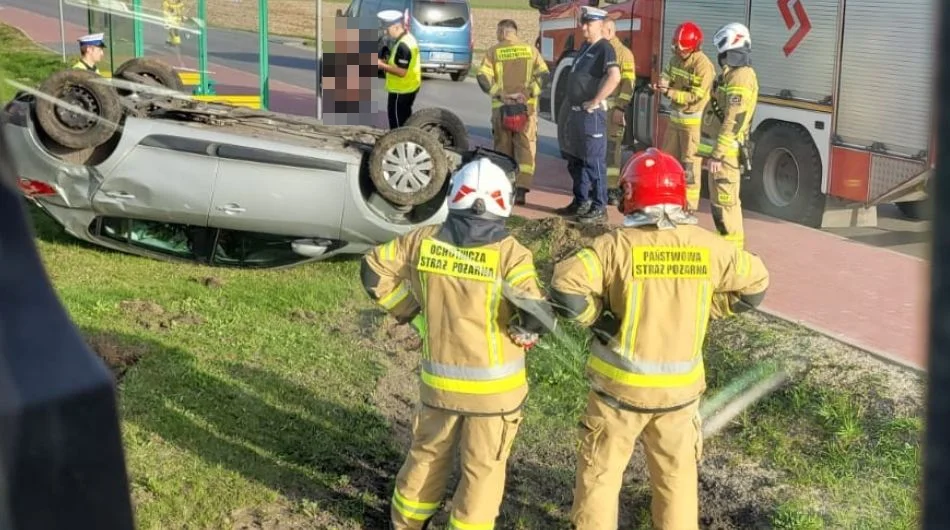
(521, 196)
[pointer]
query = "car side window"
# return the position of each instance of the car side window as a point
(235, 248)
(166, 238)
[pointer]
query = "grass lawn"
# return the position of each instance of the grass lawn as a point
(280, 399)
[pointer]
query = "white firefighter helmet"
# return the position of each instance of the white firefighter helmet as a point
(481, 181)
(732, 36)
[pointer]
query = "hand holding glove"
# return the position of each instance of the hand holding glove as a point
(522, 337)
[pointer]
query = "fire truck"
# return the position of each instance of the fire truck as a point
(844, 116)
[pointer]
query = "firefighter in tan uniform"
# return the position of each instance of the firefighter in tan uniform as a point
(448, 281)
(512, 73)
(725, 128)
(174, 13)
(616, 115)
(687, 80)
(647, 290)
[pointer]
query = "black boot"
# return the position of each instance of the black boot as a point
(521, 196)
(593, 216)
(575, 208)
(614, 195)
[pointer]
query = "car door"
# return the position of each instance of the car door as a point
(163, 178)
(276, 192)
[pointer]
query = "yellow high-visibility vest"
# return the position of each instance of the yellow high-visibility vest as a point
(413, 79)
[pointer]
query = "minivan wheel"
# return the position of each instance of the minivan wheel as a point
(459, 76)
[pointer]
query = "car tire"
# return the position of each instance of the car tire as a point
(413, 147)
(786, 176)
(152, 69)
(85, 90)
(444, 125)
(459, 76)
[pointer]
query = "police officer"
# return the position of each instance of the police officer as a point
(617, 103)
(403, 69)
(512, 73)
(448, 282)
(91, 50)
(687, 80)
(594, 76)
(647, 290)
(725, 128)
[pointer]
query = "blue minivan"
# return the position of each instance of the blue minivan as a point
(443, 29)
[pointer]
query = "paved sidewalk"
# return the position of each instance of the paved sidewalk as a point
(872, 298)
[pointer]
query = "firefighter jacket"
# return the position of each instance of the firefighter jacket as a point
(173, 8)
(736, 94)
(622, 95)
(511, 67)
(690, 81)
(648, 295)
(469, 362)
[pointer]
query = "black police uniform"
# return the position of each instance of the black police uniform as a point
(587, 131)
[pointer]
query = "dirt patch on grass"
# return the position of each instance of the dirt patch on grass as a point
(284, 517)
(303, 316)
(118, 355)
(294, 18)
(553, 239)
(210, 282)
(154, 317)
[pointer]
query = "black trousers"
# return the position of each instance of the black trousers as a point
(400, 108)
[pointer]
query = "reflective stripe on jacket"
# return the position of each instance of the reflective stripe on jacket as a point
(413, 79)
(736, 95)
(511, 67)
(469, 363)
(663, 286)
(690, 80)
(622, 95)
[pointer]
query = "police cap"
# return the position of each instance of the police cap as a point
(389, 17)
(95, 39)
(589, 14)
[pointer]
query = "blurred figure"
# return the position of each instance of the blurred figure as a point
(173, 10)
(91, 51)
(348, 70)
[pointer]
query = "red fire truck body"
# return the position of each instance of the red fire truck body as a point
(844, 117)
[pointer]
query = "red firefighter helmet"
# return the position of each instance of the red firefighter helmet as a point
(651, 178)
(688, 37)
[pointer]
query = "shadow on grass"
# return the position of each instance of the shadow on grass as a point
(324, 451)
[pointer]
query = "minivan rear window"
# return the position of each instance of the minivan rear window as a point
(441, 14)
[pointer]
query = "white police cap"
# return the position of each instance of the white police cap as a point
(94, 39)
(390, 16)
(592, 13)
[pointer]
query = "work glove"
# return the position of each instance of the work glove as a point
(522, 337)
(419, 324)
(605, 328)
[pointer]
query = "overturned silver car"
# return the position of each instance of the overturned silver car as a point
(141, 168)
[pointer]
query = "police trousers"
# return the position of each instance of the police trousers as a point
(399, 108)
(587, 155)
(724, 198)
(484, 444)
(614, 150)
(520, 146)
(672, 444)
(683, 143)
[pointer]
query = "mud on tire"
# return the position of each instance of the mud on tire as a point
(152, 70)
(444, 124)
(84, 90)
(408, 166)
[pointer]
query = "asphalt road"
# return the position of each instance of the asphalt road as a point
(295, 64)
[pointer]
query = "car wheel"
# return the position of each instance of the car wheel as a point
(444, 125)
(151, 70)
(459, 76)
(72, 90)
(407, 166)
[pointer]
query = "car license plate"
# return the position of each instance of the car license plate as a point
(441, 56)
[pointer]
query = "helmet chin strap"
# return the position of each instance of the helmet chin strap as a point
(663, 216)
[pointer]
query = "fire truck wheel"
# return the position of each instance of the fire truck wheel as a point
(786, 175)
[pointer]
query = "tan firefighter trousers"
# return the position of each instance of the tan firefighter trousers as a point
(724, 199)
(683, 143)
(484, 444)
(614, 151)
(520, 146)
(672, 443)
